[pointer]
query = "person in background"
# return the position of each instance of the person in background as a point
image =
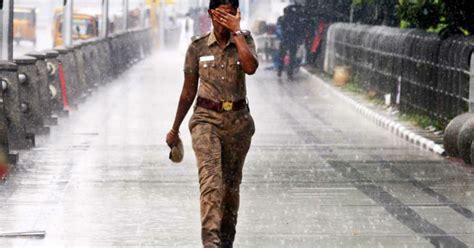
(276, 57)
(292, 35)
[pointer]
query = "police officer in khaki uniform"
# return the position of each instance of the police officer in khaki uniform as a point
(221, 126)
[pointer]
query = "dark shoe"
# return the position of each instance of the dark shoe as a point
(279, 73)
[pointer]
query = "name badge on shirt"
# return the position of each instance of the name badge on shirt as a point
(206, 58)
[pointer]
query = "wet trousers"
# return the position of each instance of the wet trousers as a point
(291, 49)
(220, 142)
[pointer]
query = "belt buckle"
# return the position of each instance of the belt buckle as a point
(227, 106)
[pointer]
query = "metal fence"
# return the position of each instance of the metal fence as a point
(423, 73)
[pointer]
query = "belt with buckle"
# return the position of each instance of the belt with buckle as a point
(221, 106)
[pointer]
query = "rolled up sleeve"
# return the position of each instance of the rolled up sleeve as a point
(191, 63)
(252, 46)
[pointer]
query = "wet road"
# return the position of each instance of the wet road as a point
(318, 175)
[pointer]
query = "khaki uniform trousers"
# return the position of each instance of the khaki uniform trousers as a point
(220, 142)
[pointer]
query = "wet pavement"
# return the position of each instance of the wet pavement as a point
(318, 175)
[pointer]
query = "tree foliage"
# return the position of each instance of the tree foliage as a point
(445, 16)
(460, 15)
(375, 12)
(424, 14)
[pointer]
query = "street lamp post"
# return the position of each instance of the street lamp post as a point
(105, 19)
(125, 15)
(142, 14)
(471, 86)
(162, 25)
(67, 20)
(6, 49)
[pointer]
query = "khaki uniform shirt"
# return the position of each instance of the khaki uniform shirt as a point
(219, 70)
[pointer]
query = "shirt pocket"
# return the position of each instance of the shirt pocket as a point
(204, 68)
(235, 71)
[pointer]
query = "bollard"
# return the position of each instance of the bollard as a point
(91, 59)
(6, 157)
(72, 75)
(142, 41)
(135, 46)
(94, 54)
(465, 139)
(62, 57)
(30, 102)
(4, 149)
(44, 89)
(105, 62)
(44, 83)
(148, 37)
(67, 59)
(126, 56)
(129, 48)
(56, 99)
(451, 134)
(82, 84)
(471, 157)
(11, 100)
(114, 56)
(471, 83)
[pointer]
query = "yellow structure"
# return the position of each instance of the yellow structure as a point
(154, 6)
(24, 24)
(157, 2)
(84, 27)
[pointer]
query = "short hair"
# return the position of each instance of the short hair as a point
(213, 4)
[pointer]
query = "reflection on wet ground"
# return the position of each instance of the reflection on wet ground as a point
(318, 175)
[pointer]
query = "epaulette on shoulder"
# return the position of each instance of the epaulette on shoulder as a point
(199, 37)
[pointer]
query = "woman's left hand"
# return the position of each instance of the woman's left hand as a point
(230, 22)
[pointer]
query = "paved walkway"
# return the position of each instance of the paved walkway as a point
(318, 175)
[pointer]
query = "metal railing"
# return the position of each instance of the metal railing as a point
(423, 73)
(42, 86)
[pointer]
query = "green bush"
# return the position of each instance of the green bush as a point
(447, 17)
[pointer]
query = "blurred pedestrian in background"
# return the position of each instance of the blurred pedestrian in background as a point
(291, 30)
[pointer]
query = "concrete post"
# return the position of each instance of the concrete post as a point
(125, 15)
(17, 138)
(6, 32)
(52, 61)
(471, 86)
(105, 19)
(67, 22)
(142, 14)
(161, 33)
(30, 98)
